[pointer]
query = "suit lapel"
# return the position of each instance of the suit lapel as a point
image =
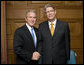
(48, 29)
(28, 34)
(36, 32)
(56, 29)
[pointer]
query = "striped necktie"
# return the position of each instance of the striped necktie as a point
(52, 28)
(33, 36)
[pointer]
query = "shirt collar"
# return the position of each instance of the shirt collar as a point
(54, 22)
(29, 27)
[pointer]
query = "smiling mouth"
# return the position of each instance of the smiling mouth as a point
(33, 22)
(50, 15)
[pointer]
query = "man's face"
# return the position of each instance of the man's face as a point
(50, 12)
(31, 18)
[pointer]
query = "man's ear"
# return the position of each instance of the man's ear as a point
(55, 12)
(26, 18)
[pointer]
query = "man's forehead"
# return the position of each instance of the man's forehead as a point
(49, 8)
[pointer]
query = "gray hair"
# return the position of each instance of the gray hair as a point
(49, 5)
(30, 10)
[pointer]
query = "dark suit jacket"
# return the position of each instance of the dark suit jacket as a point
(23, 45)
(54, 49)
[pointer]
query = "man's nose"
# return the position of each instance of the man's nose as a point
(32, 19)
(49, 13)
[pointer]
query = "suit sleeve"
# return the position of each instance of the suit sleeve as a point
(67, 39)
(18, 43)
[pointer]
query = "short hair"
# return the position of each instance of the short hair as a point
(49, 5)
(30, 10)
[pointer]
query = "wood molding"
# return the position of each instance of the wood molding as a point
(3, 34)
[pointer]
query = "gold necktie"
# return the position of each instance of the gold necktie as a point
(52, 29)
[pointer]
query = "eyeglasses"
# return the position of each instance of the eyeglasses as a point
(50, 11)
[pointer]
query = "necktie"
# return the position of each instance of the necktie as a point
(33, 36)
(52, 29)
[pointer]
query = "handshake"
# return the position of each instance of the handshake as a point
(36, 56)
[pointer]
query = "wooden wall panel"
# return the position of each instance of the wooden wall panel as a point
(12, 13)
(72, 13)
(11, 57)
(68, 11)
(3, 34)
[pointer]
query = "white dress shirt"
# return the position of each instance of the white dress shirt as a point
(54, 23)
(29, 27)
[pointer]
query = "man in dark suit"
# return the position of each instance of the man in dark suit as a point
(25, 41)
(55, 38)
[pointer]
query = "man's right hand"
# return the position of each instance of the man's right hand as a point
(35, 56)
